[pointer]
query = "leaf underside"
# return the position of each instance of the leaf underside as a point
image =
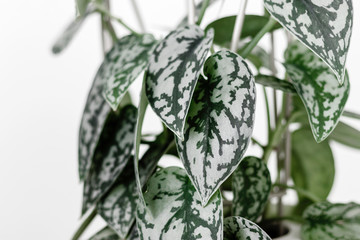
(219, 123)
(323, 26)
(174, 68)
(251, 185)
(346, 135)
(125, 61)
(111, 155)
(327, 221)
(324, 98)
(174, 210)
(242, 229)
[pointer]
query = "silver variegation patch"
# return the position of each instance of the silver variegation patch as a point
(174, 68)
(324, 98)
(111, 155)
(242, 229)
(174, 210)
(220, 122)
(323, 26)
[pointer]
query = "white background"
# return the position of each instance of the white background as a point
(42, 98)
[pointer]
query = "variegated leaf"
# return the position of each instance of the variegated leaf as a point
(324, 98)
(327, 221)
(134, 234)
(220, 122)
(111, 155)
(238, 228)
(65, 38)
(125, 61)
(174, 210)
(251, 184)
(118, 208)
(174, 68)
(323, 26)
(105, 234)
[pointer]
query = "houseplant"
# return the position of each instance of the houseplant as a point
(201, 84)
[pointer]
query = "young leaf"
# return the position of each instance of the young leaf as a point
(323, 26)
(174, 210)
(238, 228)
(275, 83)
(105, 234)
(312, 164)
(111, 155)
(224, 27)
(174, 69)
(327, 221)
(323, 97)
(65, 38)
(346, 135)
(251, 185)
(125, 61)
(220, 122)
(118, 208)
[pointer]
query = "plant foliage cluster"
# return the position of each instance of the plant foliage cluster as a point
(205, 96)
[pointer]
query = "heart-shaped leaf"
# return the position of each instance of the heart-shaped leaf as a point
(224, 28)
(346, 135)
(324, 98)
(174, 210)
(238, 228)
(220, 122)
(125, 61)
(105, 234)
(111, 155)
(251, 185)
(118, 207)
(323, 26)
(174, 68)
(327, 221)
(312, 164)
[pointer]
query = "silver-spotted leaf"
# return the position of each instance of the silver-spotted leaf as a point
(238, 228)
(251, 185)
(65, 38)
(125, 61)
(327, 221)
(324, 98)
(174, 68)
(220, 122)
(111, 155)
(312, 164)
(174, 210)
(105, 234)
(346, 135)
(118, 207)
(323, 26)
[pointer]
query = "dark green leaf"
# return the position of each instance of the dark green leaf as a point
(316, 84)
(174, 210)
(105, 234)
(118, 208)
(174, 69)
(346, 135)
(327, 221)
(125, 61)
(111, 155)
(224, 28)
(275, 83)
(251, 187)
(323, 26)
(220, 122)
(259, 57)
(312, 165)
(238, 228)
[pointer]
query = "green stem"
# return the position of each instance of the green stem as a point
(250, 46)
(351, 114)
(267, 114)
(302, 191)
(102, 10)
(84, 224)
(204, 6)
(257, 143)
